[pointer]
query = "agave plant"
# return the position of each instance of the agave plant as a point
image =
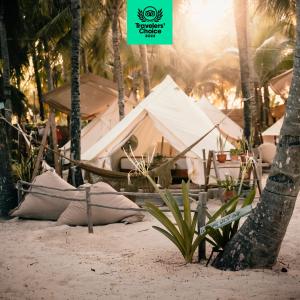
(218, 238)
(182, 233)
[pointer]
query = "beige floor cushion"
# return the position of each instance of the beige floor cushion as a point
(267, 152)
(42, 207)
(76, 214)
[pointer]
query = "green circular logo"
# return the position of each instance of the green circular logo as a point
(150, 13)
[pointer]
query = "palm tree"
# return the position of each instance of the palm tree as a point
(115, 7)
(241, 16)
(257, 243)
(145, 69)
(8, 193)
(75, 173)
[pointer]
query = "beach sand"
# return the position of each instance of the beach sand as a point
(39, 260)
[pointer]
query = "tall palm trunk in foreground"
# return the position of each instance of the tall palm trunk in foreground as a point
(257, 243)
(241, 12)
(145, 69)
(7, 191)
(38, 82)
(75, 173)
(118, 70)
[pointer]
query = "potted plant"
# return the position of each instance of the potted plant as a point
(234, 154)
(221, 156)
(230, 186)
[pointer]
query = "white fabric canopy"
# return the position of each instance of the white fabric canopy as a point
(98, 127)
(167, 112)
(228, 127)
(274, 130)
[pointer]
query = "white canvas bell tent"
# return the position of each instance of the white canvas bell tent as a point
(227, 126)
(98, 127)
(270, 134)
(167, 112)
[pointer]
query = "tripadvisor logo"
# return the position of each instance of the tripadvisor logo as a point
(150, 18)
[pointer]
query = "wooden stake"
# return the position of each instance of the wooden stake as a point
(201, 222)
(54, 140)
(41, 151)
(88, 209)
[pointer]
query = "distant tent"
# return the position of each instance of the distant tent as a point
(98, 127)
(96, 95)
(166, 113)
(281, 84)
(227, 126)
(273, 131)
(98, 102)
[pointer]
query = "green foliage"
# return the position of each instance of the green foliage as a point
(24, 168)
(218, 238)
(182, 233)
(229, 183)
(221, 142)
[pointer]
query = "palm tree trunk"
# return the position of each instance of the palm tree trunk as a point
(75, 175)
(118, 70)
(38, 82)
(257, 243)
(266, 105)
(8, 193)
(241, 12)
(48, 67)
(145, 69)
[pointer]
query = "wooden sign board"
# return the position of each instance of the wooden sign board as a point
(228, 219)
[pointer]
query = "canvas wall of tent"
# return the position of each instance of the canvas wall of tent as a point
(168, 121)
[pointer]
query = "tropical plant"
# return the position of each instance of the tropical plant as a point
(25, 166)
(219, 238)
(229, 183)
(182, 233)
(221, 143)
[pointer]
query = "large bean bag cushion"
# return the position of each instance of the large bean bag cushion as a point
(267, 152)
(76, 214)
(42, 207)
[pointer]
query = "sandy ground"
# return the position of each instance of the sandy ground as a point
(39, 260)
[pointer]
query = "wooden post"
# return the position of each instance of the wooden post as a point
(201, 208)
(54, 140)
(19, 187)
(204, 169)
(89, 209)
(217, 174)
(41, 151)
(208, 167)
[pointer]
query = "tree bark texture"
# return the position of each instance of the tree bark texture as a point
(6, 67)
(75, 173)
(8, 196)
(145, 69)
(266, 106)
(118, 69)
(48, 67)
(257, 243)
(241, 12)
(38, 82)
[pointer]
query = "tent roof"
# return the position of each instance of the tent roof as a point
(281, 83)
(274, 130)
(96, 94)
(173, 115)
(227, 126)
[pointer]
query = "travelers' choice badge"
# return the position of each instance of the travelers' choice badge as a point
(149, 22)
